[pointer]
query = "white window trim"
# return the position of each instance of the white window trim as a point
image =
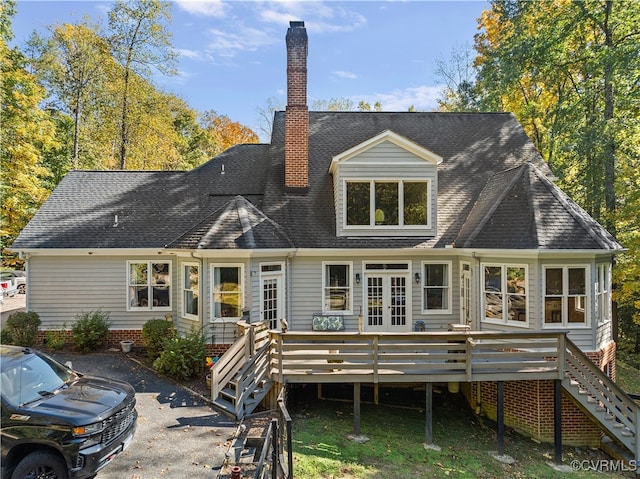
(241, 288)
(183, 285)
(349, 309)
(425, 310)
(505, 306)
(372, 225)
(150, 306)
(564, 324)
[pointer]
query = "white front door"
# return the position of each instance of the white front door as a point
(272, 294)
(388, 299)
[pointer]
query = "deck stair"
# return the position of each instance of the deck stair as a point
(240, 379)
(617, 414)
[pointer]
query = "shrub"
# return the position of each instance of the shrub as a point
(22, 328)
(55, 339)
(154, 334)
(90, 330)
(182, 357)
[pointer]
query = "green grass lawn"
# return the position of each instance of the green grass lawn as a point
(395, 448)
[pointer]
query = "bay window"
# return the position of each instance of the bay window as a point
(228, 299)
(565, 295)
(190, 290)
(603, 293)
(505, 294)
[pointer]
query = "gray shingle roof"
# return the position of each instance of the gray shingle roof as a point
(486, 196)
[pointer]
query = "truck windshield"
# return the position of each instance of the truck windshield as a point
(35, 377)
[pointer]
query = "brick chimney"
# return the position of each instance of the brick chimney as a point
(296, 133)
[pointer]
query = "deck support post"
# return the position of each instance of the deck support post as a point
(557, 421)
(356, 409)
(428, 429)
(500, 417)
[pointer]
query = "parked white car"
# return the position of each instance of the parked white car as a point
(20, 278)
(9, 283)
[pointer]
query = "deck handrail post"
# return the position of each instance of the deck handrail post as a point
(467, 357)
(375, 358)
(561, 356)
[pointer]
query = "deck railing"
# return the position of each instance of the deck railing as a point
(416, 357)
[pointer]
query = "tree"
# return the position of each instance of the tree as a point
(140, 41)
(458, 76)
(569, 71)
(224, 132)
(27, 132)
(77, 71)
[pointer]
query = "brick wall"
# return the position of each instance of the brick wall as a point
(117, 335)
(528, 405)
(296, 137)
(528, 409)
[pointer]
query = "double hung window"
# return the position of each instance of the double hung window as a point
(337, 294)
(149, 285)
(436, 286)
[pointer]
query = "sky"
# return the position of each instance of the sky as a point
(232, 55)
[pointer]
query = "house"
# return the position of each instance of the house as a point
(389, 222)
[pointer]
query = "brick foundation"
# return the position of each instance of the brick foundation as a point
(117, 335)
(528, 405)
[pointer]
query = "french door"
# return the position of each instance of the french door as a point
(388, 300)
(272, 294)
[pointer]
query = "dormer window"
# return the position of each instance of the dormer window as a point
(385, 203)
(386, 186)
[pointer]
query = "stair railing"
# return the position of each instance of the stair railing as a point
(606, 392)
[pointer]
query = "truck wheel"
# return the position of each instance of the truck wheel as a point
(41, 465)
(22, 289)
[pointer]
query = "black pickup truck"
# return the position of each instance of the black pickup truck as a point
(57, 423)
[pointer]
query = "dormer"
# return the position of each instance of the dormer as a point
(386, 186)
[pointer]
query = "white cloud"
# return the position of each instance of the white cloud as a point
(227, 44)
(320, 17)
(186, 53)
(422, 98)
(206, 8)
(347, 75)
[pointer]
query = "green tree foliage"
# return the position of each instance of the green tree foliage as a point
(140, 42)
(27, 132)
(72, 65)
(569, 71)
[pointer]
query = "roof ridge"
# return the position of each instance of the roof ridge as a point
(591, 226)
(476, 231)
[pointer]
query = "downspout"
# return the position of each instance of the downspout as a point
(200, 309)
(289, 282)
(478, 308)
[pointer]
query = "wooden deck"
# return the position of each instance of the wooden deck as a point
(313, 357)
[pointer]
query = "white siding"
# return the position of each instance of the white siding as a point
(63, 287)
